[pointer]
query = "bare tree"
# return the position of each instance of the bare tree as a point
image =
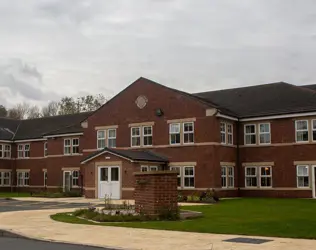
(3, 111)
(19, 111)
(33, 112)
(51, 109)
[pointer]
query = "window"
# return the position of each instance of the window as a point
(188, 177)
(229, 133)
(301, 131)
(250, 134)
(5, 151)
(174, 131)
(45, 149)
(45, 178)
(188, 132)
(223, 132)
(147, 136)
(302, 176)
(101, 139)
(111, 138)
(264, 133)
(75, 178)
(135, 136)
(227, 177)
(71, 146)
(23, 150)
(251, 177)
(178, 169)
(23, 179)
(314, 129)
(148, 168)
(5, 178)
(265, 177)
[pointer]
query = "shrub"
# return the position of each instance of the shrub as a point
(209, 196)
(169, 213)
(79, 212)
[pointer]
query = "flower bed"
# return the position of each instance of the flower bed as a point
(208, 196)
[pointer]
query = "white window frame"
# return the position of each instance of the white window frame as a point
(264, 133)
(147, 135)
(67, 146)
(23, 150)
(313, 129)
(304, 130)
(174, 133)
(148, 168)
(265, 176)
(75, 178)
(230, 134)
(188, 176)
(308, 175)
(5, 153)
(251, 176)
(45, 178)
(71, 146)
(111, 137)
(101, 139)
(250, 134)
(2, 178)
(227, 176)
(223, 132)
(45, 149)
(143, 168)
(187, 132)
(25, 176)
(136, 136)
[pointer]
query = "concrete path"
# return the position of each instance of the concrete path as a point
(37, 224)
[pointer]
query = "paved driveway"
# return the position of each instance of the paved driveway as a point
(24, 244)
(17, 205)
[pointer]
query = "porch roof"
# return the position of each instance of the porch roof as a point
(129, 154)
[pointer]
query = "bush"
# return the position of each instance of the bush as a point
(209, 196)
(169, 213)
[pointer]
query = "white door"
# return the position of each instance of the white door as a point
(67, 181)
(109, 182)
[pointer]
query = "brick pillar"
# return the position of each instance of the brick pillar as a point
(156, 191)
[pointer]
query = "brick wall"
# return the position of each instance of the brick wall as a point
(155, 191)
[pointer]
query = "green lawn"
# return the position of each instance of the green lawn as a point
(14, 194)
(293, 218)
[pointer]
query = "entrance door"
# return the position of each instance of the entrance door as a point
(109, 182)
(67, 181)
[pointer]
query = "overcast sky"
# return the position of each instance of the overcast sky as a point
(53, 48)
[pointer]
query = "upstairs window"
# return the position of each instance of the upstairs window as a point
(71, 146)
(314, 129)
(147, 136)
(264, 133)
(188, 132)
(23, 150)
(223, 132)
(45, 149)
(301, 128)
(250, 134)
(5, 151)
(111, 138)
(175, 133)
(229, 133)
(75, 178)
(135, 136)
(101, 139)
(148, 168)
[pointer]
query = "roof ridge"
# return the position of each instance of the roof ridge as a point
(54, 116)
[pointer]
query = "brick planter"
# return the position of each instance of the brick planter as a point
(155, 192)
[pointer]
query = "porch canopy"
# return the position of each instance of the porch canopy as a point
(130, 155)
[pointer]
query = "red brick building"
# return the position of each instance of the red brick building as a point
(251, 141)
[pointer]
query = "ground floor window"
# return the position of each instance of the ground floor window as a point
(258, 176)
(148, 168)
(5, 178)
(23, 178)
(186, 176)
(302, 176)
(227, 177)
(75, 178)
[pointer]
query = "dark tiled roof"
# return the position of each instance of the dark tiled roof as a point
(133, 155)
(37, 128)
(262, 100)
(312, 87)
(8, 128)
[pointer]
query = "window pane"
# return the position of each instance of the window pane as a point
(75, 142)
(175, 128)
(112, 133)
(148, 140)
(144, 168)
(135, 131)
(230, 171)
(302, 135)
(265, 128)
(224, 181)
(223, 127)
(223, 170)
(75, 150)
(314, 135)
(250, 129)
(229, 128)
(101, 134)
(266, 181)
(302, 170)
(264, 138)
(67, 142)
(148, 130)
(230, 182)
(136, 141)
(303, 181)
(104, 174)
(188, 171)
(251, 181)
(301, 125)
(250, 171)
(175, 138)
(101, 143)
(114, 174)
(188, 127)
(266, 171)
(112, 143)
(188, 138)
(189, 181)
